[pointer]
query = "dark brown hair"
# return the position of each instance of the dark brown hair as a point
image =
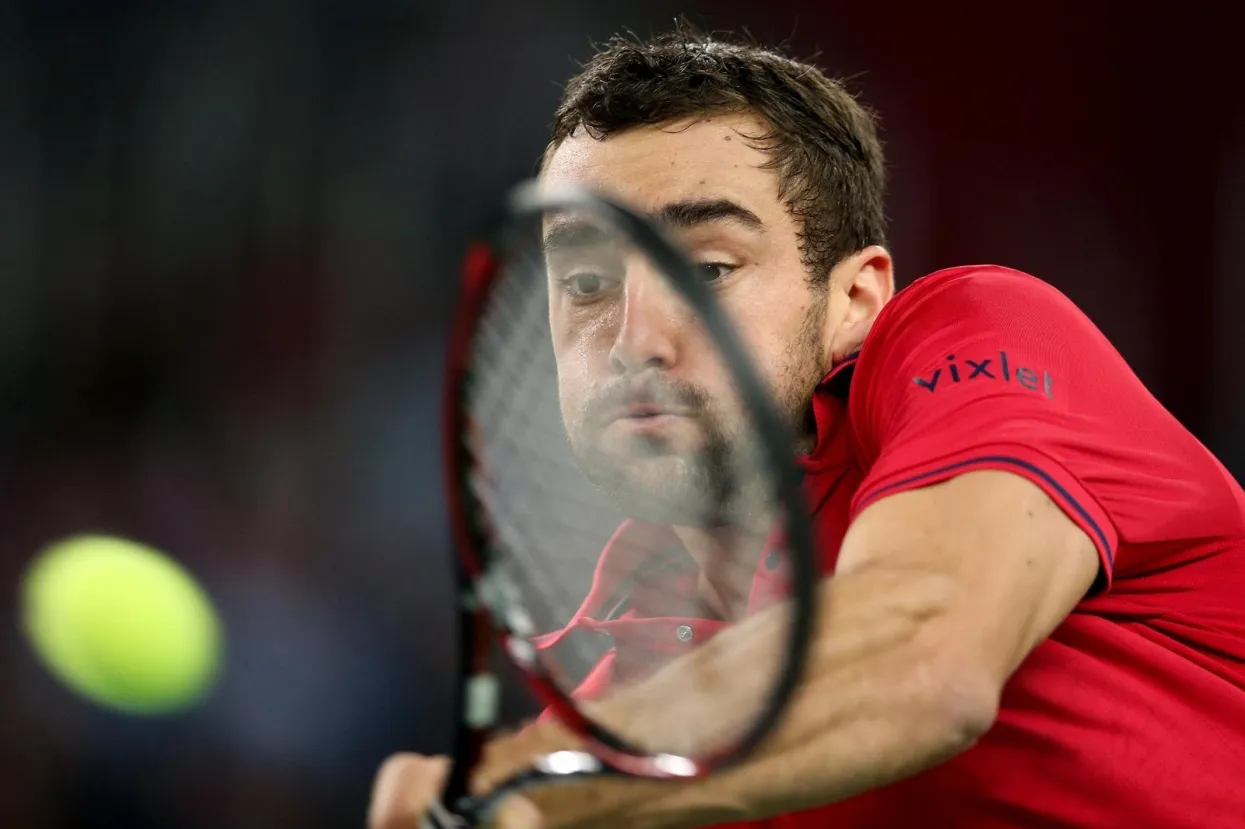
(822, 143)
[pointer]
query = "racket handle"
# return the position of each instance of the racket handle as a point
(439, 817)
(471, 812)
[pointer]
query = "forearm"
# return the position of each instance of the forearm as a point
(829, 750)
(871, 709)
(860, 756)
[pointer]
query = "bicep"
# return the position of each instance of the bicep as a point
(1017, 563)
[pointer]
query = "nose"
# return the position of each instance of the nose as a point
(648, 335)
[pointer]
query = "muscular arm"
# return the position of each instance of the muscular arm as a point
(939, 595)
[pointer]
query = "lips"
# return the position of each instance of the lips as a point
(643, 411)
(644, 399)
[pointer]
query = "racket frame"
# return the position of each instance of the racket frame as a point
(485, 614)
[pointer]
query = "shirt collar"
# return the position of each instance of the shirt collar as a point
(830, 417)
(635, 550)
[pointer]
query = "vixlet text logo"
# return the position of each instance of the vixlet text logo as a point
(996, 367)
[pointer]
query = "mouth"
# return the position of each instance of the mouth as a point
(644, 412)
(647, 423)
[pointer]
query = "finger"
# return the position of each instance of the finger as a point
(517, 812)
(406, 786)
(514, 752)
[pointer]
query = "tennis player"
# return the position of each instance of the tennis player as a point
(1037, 610)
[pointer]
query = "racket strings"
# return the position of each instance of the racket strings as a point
(548, 523)
(547, 518)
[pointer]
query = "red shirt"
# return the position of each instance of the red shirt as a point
(1132, 713)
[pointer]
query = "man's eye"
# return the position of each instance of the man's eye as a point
(713, 271)
(583, 284)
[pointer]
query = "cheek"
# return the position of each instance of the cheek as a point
(580, 337)
(777, 338)
(573, 381)
(573, 384)
(581, 349)
(580, 369)
(763, 334)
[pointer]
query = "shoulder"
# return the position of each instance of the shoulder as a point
(985, 348)
(979, 294)
(953, 314)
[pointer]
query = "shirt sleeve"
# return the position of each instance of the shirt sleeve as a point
(988, 368)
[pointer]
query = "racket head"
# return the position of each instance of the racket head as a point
(503, 372)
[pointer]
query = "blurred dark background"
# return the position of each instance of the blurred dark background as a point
(228, 244)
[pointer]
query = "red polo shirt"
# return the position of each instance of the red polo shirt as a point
(1132, 713)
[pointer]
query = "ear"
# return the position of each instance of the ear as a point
(860, 285)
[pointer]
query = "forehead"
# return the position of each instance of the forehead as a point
(647, 167)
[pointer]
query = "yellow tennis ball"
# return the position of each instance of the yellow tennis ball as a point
(121, 624)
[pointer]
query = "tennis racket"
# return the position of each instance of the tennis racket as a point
(599, 398)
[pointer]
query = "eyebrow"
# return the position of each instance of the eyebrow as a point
(566, 234)
(689, 214)
(683, 215)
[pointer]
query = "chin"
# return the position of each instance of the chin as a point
(664, 501)
(661, 489)
(657, 510)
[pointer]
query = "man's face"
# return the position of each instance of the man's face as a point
(649, 407)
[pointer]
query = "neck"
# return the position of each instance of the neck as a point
(727, 558)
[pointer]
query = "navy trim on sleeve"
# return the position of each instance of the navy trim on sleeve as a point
(1041, 473)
